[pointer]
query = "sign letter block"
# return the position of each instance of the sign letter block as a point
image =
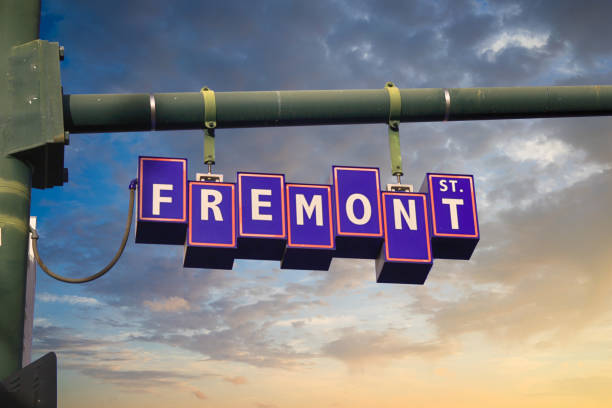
(162, 201)
(454, 218)
(359, 232)
(405, 256)
(310, 226)
(211, 236)
(261, 216)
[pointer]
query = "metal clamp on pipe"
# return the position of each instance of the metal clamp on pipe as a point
(210, 123)
(395, 110)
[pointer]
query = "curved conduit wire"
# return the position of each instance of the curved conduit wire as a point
(108, 267)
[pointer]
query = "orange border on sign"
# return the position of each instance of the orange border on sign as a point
(282, 190)
(362, 234)
(384, 193)
(208, 183)
(140, 177)
(433, 210)
(331, 222)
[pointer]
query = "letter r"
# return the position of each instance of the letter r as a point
(206, 204)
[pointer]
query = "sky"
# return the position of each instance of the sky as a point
(526, 322)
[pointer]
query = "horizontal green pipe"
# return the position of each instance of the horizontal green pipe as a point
(172, 111)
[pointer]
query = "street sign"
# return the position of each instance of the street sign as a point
(305, 225)
(162, 201)
(211, 234)
(310, 227)
(406, 253)
(262, 232)
(454, 218)
(359, 231)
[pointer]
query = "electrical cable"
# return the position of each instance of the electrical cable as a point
(108, 267)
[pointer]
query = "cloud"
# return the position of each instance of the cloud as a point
(343, 276)
(232, 328)
(551, 264)
(264, 405)
(112, 362)
(359, 348)
(132, 379)
(171, 304)
(538, 149)
(68, 299)
(248, 343)
(593, 388)
(523, 38)
(235, 380)
(199, 395)
(53, 338)
(42, 322)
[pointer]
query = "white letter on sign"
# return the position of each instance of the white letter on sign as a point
(367, 209)
(443, 186)
(214, 205)
(301, 206)
(453, 203)
(157, 198)
(255, 204)
(399, 212)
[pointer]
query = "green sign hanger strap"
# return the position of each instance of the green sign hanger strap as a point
(395, 110)
(210, 123)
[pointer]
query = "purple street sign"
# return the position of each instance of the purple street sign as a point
(454, 217)
(261, 216)
(162, 204)
(359, 231)
(211, 236)
(310, 243)
(306, 225)
(405, 256)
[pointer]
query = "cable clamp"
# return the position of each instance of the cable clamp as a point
(133, 184)
(210, 123)
(395, 111)
(210, 108)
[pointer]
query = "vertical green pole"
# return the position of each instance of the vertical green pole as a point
(19, 23)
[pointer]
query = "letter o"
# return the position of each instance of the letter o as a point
(367, 209)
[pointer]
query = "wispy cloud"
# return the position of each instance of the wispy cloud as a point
(171, 304)
(360, 348)
(199, 395)
(68, 299)
(236, 380)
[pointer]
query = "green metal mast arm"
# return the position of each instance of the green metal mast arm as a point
(19, 21)
(88, 113)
